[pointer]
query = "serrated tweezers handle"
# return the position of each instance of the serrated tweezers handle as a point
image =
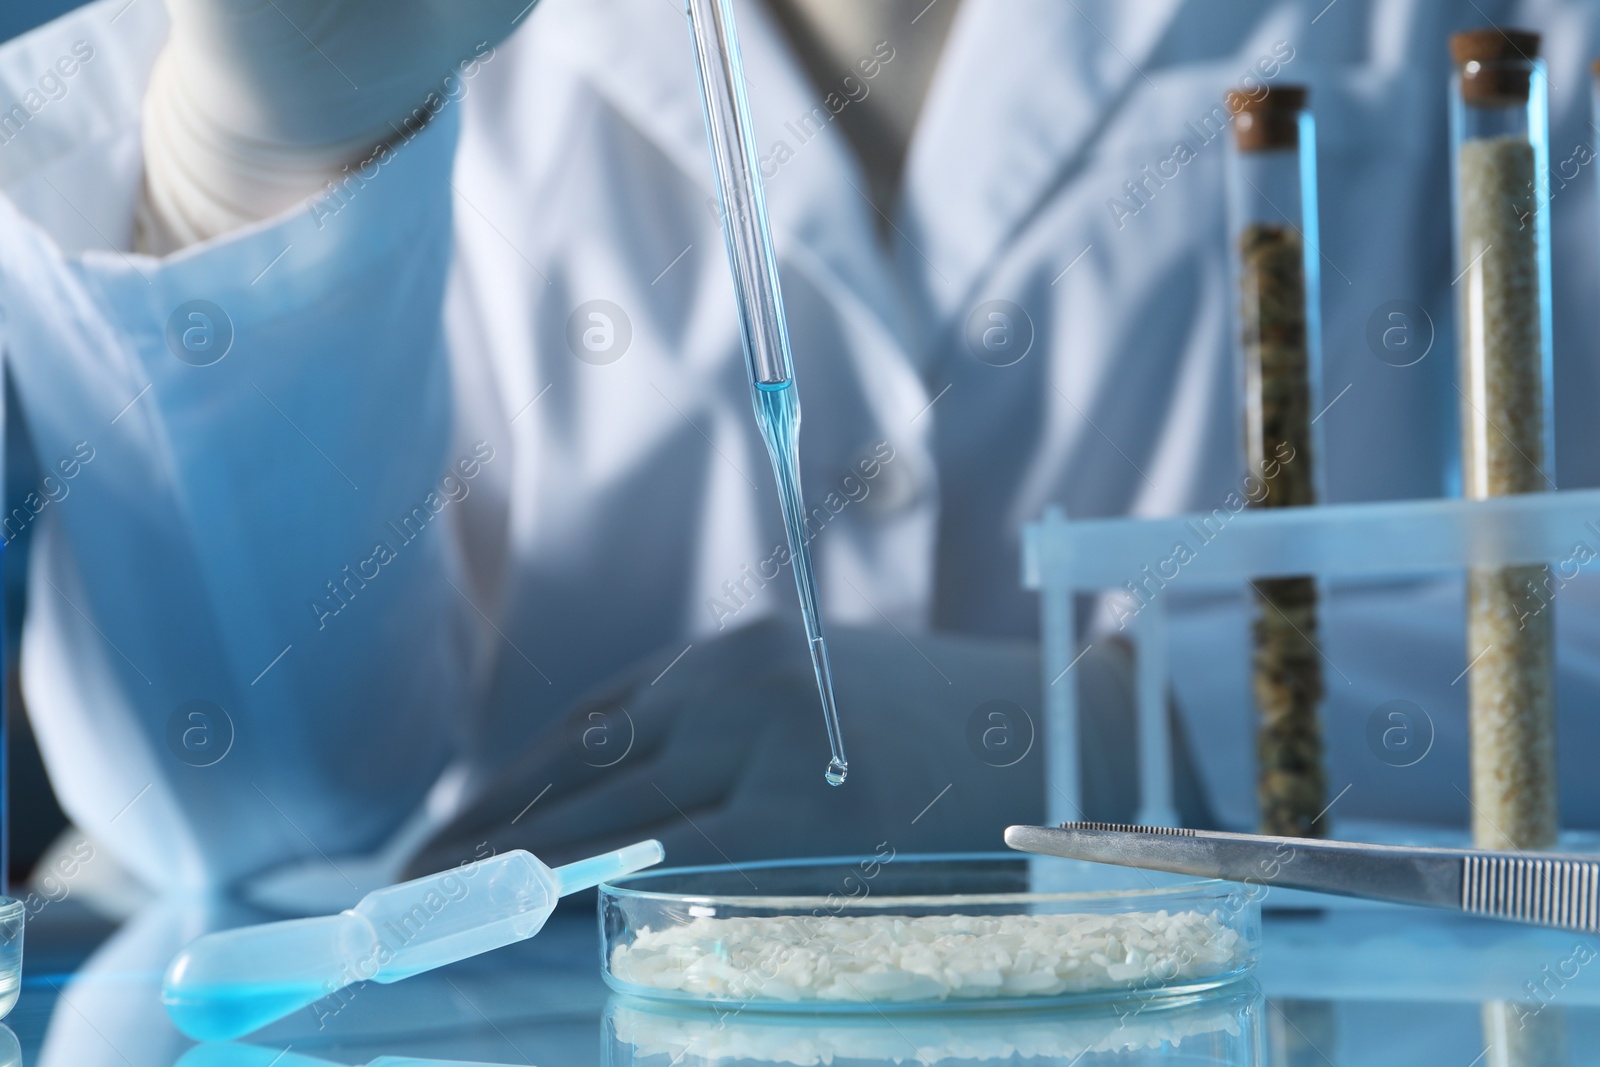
(1545, 889)
(1533, 889)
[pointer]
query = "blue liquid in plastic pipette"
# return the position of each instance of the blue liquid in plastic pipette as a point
(221, 1012)
(765, 333)
(226, 984)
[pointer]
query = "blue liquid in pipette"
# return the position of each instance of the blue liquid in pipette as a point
(221, 1013)
(753, 265)
(778, 413)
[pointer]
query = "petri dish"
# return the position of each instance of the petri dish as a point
(1220, 1029)
(908, 933)
(13, 916)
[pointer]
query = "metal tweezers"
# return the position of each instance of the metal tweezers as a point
(1543, 889)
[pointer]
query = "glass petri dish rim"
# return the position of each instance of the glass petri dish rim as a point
(622, 888)
(1232, 993)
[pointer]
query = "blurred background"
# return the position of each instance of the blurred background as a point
(36, 819)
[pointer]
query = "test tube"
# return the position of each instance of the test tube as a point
(1499, 132)
(1273, 226)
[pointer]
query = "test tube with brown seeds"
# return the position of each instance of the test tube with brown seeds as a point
(1273, 225)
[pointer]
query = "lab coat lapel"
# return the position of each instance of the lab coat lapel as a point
(625, 49)
(1022, 90)
(637, 54)
(816, 190)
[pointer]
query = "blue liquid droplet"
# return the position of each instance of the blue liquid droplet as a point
(837, 770)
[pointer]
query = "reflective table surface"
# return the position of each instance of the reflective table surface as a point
(1346, 985)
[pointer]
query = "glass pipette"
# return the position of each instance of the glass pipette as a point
(225, 985)
(761, 321)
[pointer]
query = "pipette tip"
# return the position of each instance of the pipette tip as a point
(585, 874)
(837, 771)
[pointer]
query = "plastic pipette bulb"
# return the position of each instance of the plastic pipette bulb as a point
(762, 325)
(225, 985)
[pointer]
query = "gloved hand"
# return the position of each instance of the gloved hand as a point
(722, 756)
(255, 104)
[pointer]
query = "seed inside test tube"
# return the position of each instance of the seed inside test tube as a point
(1503, 305)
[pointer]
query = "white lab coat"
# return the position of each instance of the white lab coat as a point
(380, 335)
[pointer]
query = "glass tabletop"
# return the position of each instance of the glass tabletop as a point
(1349, 984)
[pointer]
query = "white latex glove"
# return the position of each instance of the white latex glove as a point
(256, 104)
(721, 757)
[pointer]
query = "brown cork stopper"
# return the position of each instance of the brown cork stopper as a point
(1494, 65)
(1597, 68)
(1267, 119)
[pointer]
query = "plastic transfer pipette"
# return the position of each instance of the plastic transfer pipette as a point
(225, 985)
(761, 321)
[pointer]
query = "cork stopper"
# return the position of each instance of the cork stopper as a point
(1494, 65)
(1269, 120)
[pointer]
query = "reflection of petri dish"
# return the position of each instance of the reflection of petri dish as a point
(1223, 1028)
(12, 918)
(907, 933)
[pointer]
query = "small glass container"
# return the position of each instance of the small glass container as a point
(13, 917)
(1499, 135)
(1273, 225)
(909, 933)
